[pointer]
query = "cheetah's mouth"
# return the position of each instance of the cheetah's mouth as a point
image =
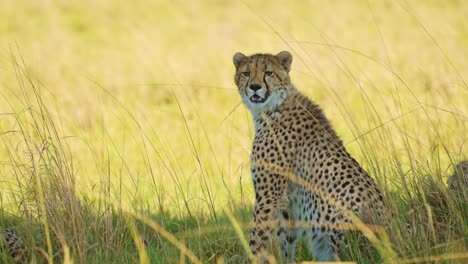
(257, 99)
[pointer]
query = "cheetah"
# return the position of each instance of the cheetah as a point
(11, 243)
(306, 183)
(458, 182)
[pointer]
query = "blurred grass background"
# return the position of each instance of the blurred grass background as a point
(142, 95)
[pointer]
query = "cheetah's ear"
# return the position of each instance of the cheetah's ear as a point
(238, 58)
(285, 58)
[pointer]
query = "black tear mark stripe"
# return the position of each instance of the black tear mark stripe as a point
(265, 82)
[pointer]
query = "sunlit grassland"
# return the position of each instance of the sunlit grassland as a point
(148, 120)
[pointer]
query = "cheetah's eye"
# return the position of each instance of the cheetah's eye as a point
(268, 73)
(246, 74)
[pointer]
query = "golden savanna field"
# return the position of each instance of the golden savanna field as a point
(120, 122)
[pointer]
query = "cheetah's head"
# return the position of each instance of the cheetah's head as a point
(462, 168)
(263, 80)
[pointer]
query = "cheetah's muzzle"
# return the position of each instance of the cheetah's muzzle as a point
(257, 99)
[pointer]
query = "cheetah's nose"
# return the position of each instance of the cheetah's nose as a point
(255, 87)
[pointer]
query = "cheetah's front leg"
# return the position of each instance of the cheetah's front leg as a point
(268, 231)
(271, 200)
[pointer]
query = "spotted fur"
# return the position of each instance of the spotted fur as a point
(306, 183)
(11, 243)
(458, 182)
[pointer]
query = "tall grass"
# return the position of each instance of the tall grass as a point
(120, 122)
